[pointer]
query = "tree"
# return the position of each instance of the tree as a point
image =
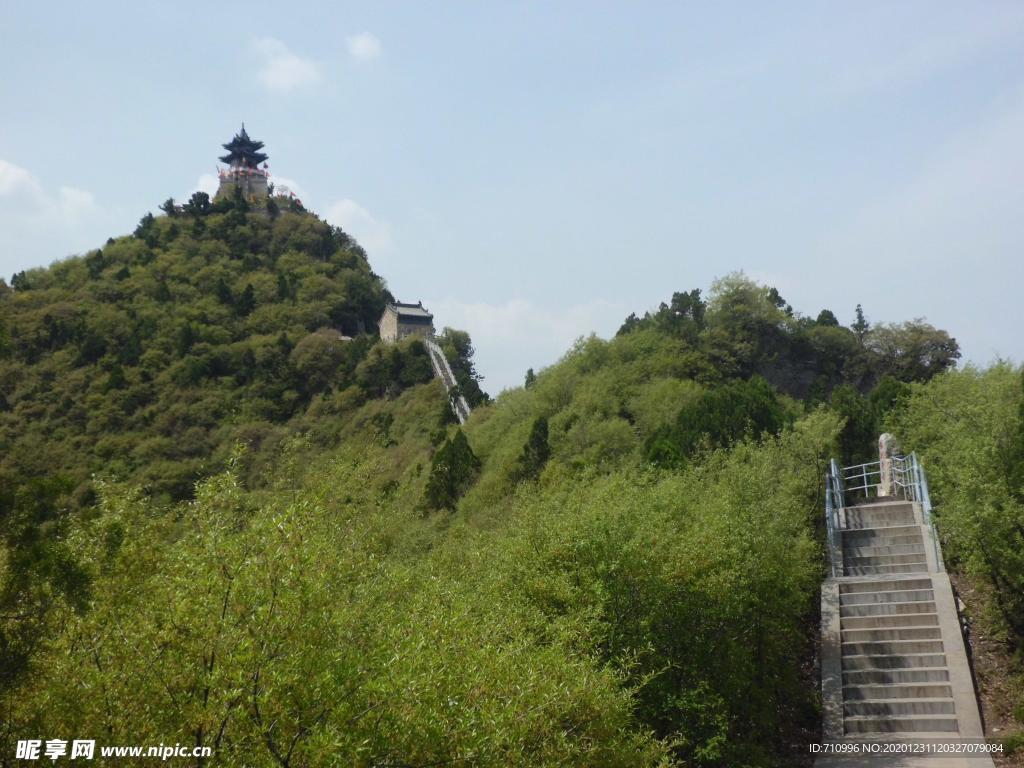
(536, 451)
(458, 348)
(223, 292)
(186, 338)
(531, 378)
(912, 351)
(629, 325)
(684, 316)
(246, 301)
(826, 317)
(858, 440)
(721, 416)
(146, 230)
(169, 208)
(452, 471)
(860, 326)
(198, 204)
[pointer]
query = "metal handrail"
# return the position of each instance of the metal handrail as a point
(909, 480)
(833, 503)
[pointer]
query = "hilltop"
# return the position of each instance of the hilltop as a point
(146, 360)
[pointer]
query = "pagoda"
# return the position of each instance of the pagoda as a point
(243, 173)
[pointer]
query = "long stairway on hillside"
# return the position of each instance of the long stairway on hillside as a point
(895, 669)
(443, 371)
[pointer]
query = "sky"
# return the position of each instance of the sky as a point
(534, 172)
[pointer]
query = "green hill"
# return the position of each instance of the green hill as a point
(147, 359)
(616, 564)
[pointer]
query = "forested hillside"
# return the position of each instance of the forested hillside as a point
(968, 426)
(616, 564)
(147, 359)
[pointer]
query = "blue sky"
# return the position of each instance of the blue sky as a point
(536, 171)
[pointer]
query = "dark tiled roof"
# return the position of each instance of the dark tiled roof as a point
(409, 311)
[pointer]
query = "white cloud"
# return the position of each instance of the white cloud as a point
(75, 203)
(21, 193)
(515, 335)
(14, 178)
(38, 225)
(283, 185)
(364, 46)
(281, 70)
(372, 234)
(207, 182)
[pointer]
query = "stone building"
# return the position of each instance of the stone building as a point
(400, 320)
(244, 172)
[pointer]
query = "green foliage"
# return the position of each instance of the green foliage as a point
(860, 325)
(39, 572)
(143, 359)
(827, 318)
(300, 610)
(746, 329)
(699, 582)
(536, 452)
(720, 417)
(912, 351)
(458, 348)
(966, 426)
(452, 471)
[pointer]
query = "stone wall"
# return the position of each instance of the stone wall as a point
(253, 186)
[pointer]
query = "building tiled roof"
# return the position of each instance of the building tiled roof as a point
(411, 311)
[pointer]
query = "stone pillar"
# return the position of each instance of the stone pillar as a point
(887, 448)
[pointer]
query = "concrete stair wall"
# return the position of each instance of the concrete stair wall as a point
(894, 666)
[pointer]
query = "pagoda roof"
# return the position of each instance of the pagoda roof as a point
(243, 151)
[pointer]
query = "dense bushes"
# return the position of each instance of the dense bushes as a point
(700, 584)
(966, 425)
(720, 417)
(258, 635)
(612, 619)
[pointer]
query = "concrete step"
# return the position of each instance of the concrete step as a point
(873, 570)
(900, 540)
(884, 503)
(853, 550)
(901, 724)
(896, 676)
(880, 531)
(891, 621)
(897, 707)
(892, 647)
(860, 662)
(892, 633)
(888, 536)
(884, 585)
(878, 519)
(898, 691)
(893, 596)
(883, 558)
(887, 609)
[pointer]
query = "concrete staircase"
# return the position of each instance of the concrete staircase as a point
(443, 371)
(894, 665)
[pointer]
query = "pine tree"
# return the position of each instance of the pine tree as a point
(860, 326)
(536, 452)
(224, 292)
(246, 302)
(452, 471)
